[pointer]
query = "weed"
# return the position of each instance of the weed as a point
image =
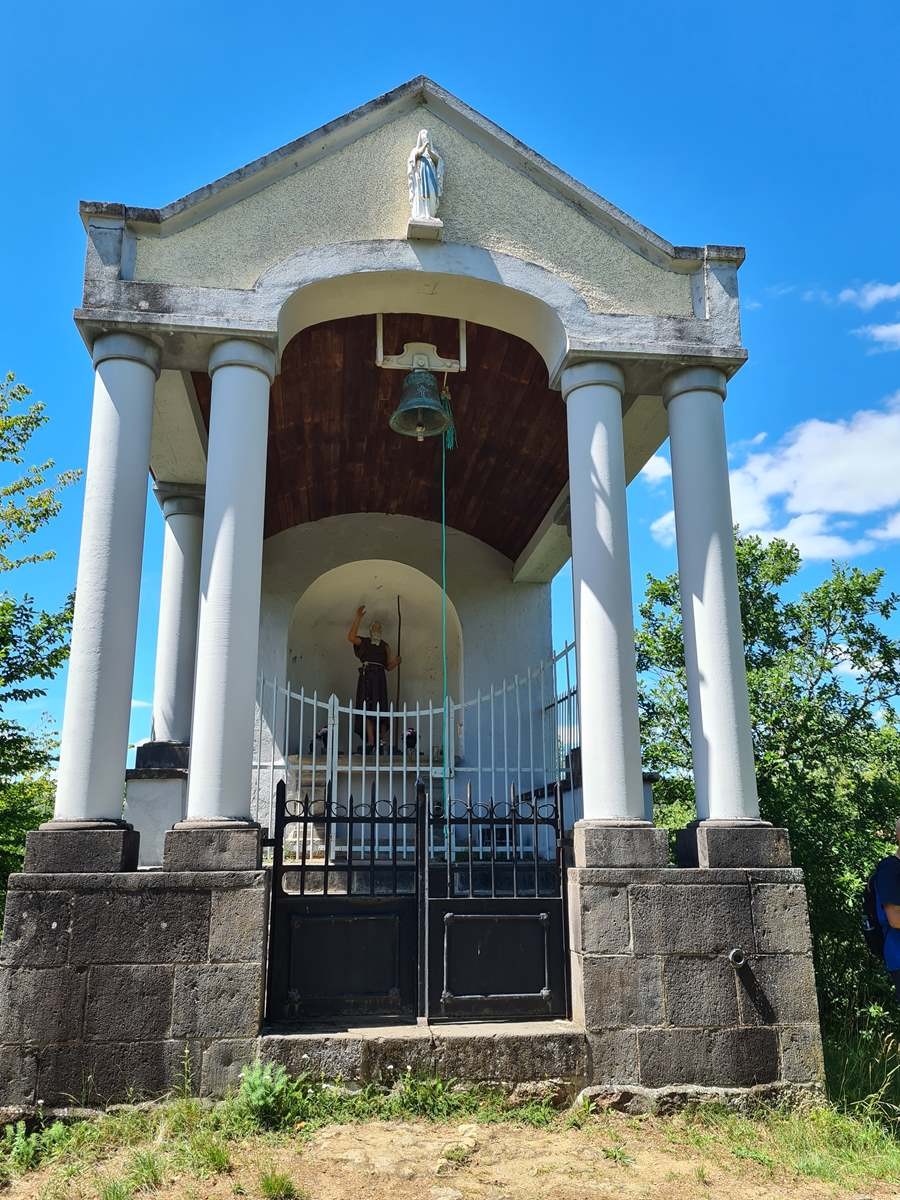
(207, 1154)
(458, 1154)
(275, 1186)
(145, 1173)
(702, 1175)
(115, 1189)
(618, 1154)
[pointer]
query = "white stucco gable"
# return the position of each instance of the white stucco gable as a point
(346, 182)
(358, 192)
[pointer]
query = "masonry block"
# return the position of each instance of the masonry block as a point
(780, 918)
(40, 1005)
(140, 927)
(700, 991)
(612, 1056)
(238, 925)
(129, 1003)
(598, 916)
(511, 1054)
(223, 1063)
(741, 845)
(690, 918)
(620, 990)
(18, 1074)
(777, 989)
(98, 1073)
(334, 1057)
(712, 1057)
(213, 848)
(603, 844)
(801, 1054)
(36, 929)
(48, 851)
(218, 1001)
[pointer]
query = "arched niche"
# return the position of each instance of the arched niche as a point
(320, 658)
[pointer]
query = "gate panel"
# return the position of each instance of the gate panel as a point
(344, 940)
(495, 910)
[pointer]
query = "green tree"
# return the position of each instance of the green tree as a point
(34, 643)
(823, 672)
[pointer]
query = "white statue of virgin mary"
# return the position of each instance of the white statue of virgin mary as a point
(425, 172)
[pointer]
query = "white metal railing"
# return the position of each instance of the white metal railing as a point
(516, 737)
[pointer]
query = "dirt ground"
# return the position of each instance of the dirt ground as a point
(424, 1161)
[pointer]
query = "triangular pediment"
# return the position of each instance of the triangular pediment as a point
(346, 182)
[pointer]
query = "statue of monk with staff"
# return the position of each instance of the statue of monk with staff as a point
(375, 657)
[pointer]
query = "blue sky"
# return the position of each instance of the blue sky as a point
(769, 125)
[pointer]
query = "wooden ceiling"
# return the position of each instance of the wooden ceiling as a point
(331, 450)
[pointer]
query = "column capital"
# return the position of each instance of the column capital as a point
(693, 379)
(128, 346)
(236, 352)
(180, 498)
(595, 372)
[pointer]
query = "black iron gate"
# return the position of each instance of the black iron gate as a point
(417, 909)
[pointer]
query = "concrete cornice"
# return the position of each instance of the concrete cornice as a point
(420, 91)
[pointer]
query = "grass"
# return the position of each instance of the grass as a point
(275, 1186)
(854, 1142)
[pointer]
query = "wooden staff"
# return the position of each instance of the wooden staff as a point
(399, 628)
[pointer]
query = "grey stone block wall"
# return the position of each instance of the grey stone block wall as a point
(113, 984)
(660, 1001)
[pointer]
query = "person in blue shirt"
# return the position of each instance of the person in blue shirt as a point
(887, 894)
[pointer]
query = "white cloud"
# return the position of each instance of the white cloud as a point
(869, 294)
(655, 470)
(141, 704)
(846, 466)
(814, 536)
(820, 485)
(751, 305)
(885, 337)
(889, 531)
(662, 530)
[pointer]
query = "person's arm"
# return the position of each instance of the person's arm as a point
(887, 883)
(391, 662)
(353, 634)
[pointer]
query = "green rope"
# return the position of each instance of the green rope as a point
(448, 442)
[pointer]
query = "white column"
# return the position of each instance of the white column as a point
(724, 775)
(604, 623)
(230, 577)
(179, 602)
(101, 662)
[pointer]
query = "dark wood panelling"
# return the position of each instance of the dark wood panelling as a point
(331, 450)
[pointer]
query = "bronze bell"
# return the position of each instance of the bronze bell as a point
(420, 413)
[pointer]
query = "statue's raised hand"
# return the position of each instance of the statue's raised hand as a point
(360, 612)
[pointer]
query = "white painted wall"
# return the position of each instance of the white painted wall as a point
(505, 625)
(318, 651)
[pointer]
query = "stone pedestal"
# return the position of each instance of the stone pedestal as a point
(115, 985)
(732, 844)
(657, 995)
(81, 846)
(155, 800)
(619, 844)
(210, 846)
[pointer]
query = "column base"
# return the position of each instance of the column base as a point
(620, 844)
(213, 846)
(81, 846)
(162, 755)
(732, 844)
